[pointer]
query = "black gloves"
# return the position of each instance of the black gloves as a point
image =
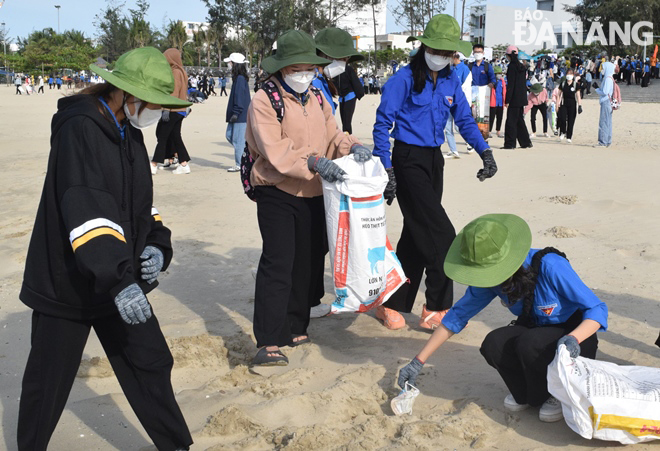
(572, 345)
(490, 168)
(390, 189)
(165, 116)
(579, 109)
(233, 118)
(327, 169)
(409, 373)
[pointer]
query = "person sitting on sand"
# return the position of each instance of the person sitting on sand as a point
(492, 255)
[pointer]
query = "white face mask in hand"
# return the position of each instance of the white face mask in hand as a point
(334, 68)
(436, 62)
(299, 81)
(142, 120)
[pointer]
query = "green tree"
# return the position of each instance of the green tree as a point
(113, 30)
(176, 35)
(199, 37)
(139, 30)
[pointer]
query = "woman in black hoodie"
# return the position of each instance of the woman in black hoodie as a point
(516, 101)
(96, 250)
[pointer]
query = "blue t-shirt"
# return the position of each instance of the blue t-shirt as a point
(559, 294)
(481, 77)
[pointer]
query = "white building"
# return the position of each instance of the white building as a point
(194, 27)
(385, 41)
(361, 22)
(530, 30)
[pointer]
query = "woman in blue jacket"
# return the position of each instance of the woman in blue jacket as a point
(417, 101)
(493, 255)
(239, 101)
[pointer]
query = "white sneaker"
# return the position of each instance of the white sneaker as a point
(551, 411)
(545, 135)
(569, 141)
(561, 137)
(447, 155)
(154, 169)
(234, 169)
(511, 405)
(319, 311)
(533, 135)
(490, 135)
(470, 149)
(182, 169)
(454, 154)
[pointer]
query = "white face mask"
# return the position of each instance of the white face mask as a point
(299, 81)
(569, 77)
(478, 56)
(142, 120)
(436, 62)
(334, 68)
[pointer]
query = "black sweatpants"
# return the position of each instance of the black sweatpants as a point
(293, 233)
(566, 117)
(18, 90)
(223, 89)
(41, 90)
(496, 112)
(543, 109)
(139, 357)
(169, 139)
(521, 355)
(346, 110)
(427, 231)
(515, 128)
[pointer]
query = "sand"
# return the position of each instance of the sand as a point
(335, 394)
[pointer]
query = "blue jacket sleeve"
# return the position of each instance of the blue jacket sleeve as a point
(395, 92)
(239, 102)
(462, 114)
(572, 290)
(473, 301)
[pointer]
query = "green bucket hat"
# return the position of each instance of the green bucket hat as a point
(488, 250)
(293, 47)
(497, 69)
(536, 88)
(443, 33)
(337, 43)
(145, 74)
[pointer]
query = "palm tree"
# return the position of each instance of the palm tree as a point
(139, 32)
(209, 39)
(176, 35)
(199, 37)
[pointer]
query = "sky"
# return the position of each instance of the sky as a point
(21, 17)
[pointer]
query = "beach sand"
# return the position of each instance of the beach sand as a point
(600, 206)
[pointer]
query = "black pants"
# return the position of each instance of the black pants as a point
(18, 90)
(139, 357)
(212, 90)
(41, 90)
(496, 112)
(169, 140)
(566, 118)
(645, 79)
(427, 231)
(543, 109)
(223, 89)
(293, 230)
(638, 77)
(346, 110)
(628, 76)
(515, 128)
(522, 355)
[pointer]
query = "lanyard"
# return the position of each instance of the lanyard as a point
(121, 129)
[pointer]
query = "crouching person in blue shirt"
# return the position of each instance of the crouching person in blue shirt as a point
(492, 255)
(417, 101)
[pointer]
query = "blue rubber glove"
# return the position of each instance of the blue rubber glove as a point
(409, 373)
(327, 169)
(152, 264)
(133, 305)
(571, 344)
(360, 153)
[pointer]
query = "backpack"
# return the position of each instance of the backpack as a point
(615, 98)
(526, 318)
(247, 162)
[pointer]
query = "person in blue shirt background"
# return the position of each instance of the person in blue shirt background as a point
(223, 85)
(417, 101)
(647, 73)
(482, 72)
(462, 72)
(497, 96)
(237, 107)
(493, 256)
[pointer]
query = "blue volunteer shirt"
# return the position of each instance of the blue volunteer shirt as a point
(419, 118)
(479, 75)
(321, 84)
(462, 71)
(559, 294)
(499, 90)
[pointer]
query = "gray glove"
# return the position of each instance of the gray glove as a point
(390, 189)
(360, 153)
(328, 170)
(233, 118)
(571, 344)
(490, 168)
(409, 373)
(132, 305)
(165, 116)
(152, 264)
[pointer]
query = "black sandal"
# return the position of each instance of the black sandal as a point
(300, 342)
(263, 359)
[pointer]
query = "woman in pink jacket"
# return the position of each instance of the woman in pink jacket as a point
(537, 100)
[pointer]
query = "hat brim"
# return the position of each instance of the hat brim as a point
(444, 44)
(461, 271)
(341, 52)
(536, 90)
(273, 64)
(157, 98)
